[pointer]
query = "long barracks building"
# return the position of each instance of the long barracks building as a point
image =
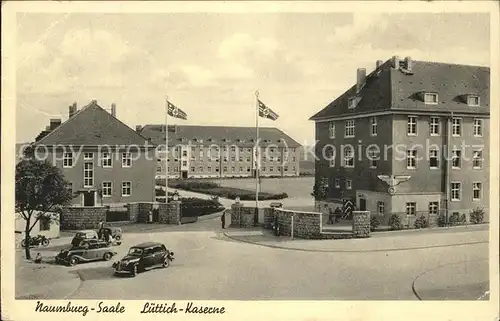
(431, 120)
(223, 151)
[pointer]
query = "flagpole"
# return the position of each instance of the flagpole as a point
(166, 151)
(257, 154)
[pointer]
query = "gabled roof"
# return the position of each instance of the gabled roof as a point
(93, 126)
(388, 88)
(223, 135)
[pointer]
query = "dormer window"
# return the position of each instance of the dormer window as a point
(473, 100)
(431, 98)
(351, 103)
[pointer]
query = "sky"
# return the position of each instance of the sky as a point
(211, 64)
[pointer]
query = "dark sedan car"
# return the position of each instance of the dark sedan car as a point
(87, 251)
(143, 257)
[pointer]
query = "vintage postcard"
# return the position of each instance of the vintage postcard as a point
(250, 160)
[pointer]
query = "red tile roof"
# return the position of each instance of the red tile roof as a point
(390, 89)
(218, 135)
(93, 126)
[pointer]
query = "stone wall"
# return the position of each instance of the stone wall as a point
(268, 217)
(170, 213)
(81, 218)
(306, 225)
(361, 224)
(236, 210)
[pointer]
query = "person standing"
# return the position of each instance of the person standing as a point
(223, 219)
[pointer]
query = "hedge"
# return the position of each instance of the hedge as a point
(215, 189)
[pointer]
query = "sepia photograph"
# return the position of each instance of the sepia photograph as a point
(268, 155)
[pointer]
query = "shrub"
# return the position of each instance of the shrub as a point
(159, 192)
(395, 222)
(192, 206)
(421, 222)
(457, 219)
(374, 223)
(442, 221)
(477, 216)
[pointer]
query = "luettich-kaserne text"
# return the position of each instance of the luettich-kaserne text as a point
(189, 308)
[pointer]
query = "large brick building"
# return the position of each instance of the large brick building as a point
(415, 113)
(220, 151)
(106, 161)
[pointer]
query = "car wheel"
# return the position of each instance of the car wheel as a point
(166, 262)
(23, 243)
(73, 261)
(107, 256)
(45, 242)
(118, 237)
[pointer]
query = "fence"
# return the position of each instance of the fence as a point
(426, 219)
(117, 214)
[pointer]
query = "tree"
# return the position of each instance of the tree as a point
(320, 189)
(40, 191)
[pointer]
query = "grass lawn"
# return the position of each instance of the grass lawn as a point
(293, 186)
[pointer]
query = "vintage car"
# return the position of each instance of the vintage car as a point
(86, 251)
(83, 235)
(115, 234)
(143, 257)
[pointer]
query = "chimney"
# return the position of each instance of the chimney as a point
(54, 123)
(113, 109)
(395, 62)
(408, 63)
(379, 63)
(361, 77)
(138, 128)
(72, 110)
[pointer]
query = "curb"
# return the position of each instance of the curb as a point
(414, 290)
(349, 251)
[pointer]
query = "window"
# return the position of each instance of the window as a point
(478, 127)
(351, 103)
(209, 169)
(431, 98)
(233, 169)
(184, 163)
(107, 162)
(88, 174)
(455, 191)
(233, 158)
(411, 208)
(158, 169)
(126, 188)
(456, 127)
(349, 128)
(193, 150)
(477, 159)
(348, 157)
(331, 130)
(337, 183)
(192, 169)
(374, 127)
(201, 168)
(373, 157)
(88, 156)
(476, 190)
(241, 169)
(225, 159)
(225, 168)
(411, 159)
(473, 100)
(433, 158)
(271, 169)
(67, 160)
(263, 168)
(248, 159)
(286, 168)
(433, 208)
(44, 223)
(106, 189)
(184, 153)
(456, 158)
(380, 208)
(126, 160)
(412, 125)
(434, 126)
(217, 169)
(241, 159)
(348, 184)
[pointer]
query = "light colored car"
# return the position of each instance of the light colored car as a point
(84, 235)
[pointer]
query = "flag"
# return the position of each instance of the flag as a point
(175, 112)
(266, 112)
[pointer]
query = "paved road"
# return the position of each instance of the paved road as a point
(211, 267)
